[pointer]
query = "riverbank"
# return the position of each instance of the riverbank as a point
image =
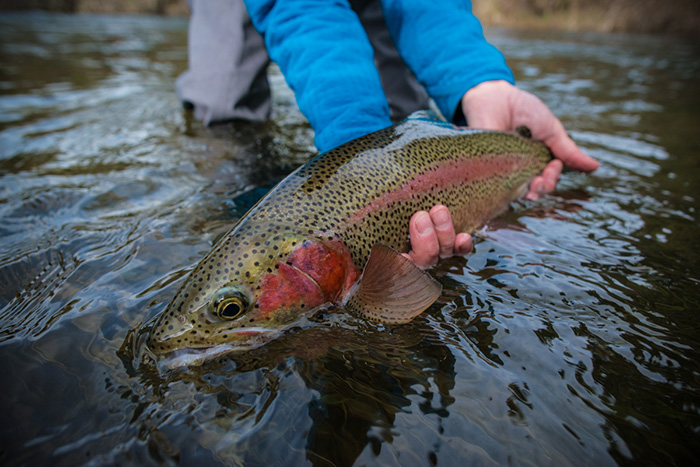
(636, 16)
(630, 16)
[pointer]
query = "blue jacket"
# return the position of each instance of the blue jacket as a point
(327, 60)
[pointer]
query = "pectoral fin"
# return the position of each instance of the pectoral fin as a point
(392, 289)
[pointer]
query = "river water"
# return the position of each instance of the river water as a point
(569, 337)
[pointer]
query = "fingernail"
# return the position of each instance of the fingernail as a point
(423, 224)
(537, 186)
(463, 244)
(441, 218)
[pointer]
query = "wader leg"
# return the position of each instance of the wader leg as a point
(227, 75)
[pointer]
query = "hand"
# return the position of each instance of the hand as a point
(433, 237)
(498, 105)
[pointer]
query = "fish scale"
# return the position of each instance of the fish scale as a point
(341, 205)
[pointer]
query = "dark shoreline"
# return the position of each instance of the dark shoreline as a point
(679, 17)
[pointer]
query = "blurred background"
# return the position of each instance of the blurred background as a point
(649, 16)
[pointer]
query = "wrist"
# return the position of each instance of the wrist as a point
(487, 89)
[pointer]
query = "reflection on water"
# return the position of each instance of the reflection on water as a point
(568, 337)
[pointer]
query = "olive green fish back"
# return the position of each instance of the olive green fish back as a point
(364, 192)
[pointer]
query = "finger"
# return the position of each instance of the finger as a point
(535, 188)
(546, 181)
(425, 247)
(550, 175)
(567, 151)
(463, 244)
(445, 230)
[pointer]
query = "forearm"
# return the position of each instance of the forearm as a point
(443, 44)
(327, 60)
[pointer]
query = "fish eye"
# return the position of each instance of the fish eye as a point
(229, 304)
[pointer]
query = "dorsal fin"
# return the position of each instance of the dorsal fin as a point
(428, 116)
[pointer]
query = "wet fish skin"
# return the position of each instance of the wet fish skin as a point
(304, 244)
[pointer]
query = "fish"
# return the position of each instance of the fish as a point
(332, 233)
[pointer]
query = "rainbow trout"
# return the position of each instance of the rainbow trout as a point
(331, 233)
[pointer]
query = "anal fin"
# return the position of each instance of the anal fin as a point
(392, 289)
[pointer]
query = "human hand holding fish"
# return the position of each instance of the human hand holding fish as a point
(433, 237)
(497, 105)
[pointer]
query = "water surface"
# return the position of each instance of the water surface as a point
(568, 337)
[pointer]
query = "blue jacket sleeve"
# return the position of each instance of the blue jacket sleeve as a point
(443, 44)
(327, 60)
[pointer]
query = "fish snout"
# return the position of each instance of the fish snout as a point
(168, 332)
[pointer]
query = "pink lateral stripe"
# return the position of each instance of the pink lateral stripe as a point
(443, 175)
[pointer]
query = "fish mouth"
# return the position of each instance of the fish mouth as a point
(191, 356)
